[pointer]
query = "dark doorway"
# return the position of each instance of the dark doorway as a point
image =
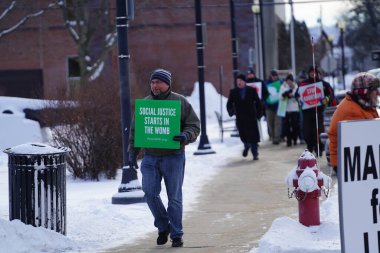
(21, 83)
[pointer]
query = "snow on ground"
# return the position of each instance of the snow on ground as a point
(93, 223)
(287, 235)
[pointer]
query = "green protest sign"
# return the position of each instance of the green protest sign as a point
(156, 122)
(274, 92)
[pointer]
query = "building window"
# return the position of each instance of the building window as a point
(73, 67)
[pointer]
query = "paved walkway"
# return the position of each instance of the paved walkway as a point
(238, 207)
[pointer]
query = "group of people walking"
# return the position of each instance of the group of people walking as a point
(286, 106)
(290, 109)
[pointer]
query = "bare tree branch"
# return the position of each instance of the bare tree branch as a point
(87, 21)
(5, 12)
(19, 23)
(22, 20)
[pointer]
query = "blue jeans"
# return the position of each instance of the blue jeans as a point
(253, 147)
(172, 169)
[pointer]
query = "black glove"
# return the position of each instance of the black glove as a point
(182, 138)
(133, 160)
(287, 94)
(231, 111)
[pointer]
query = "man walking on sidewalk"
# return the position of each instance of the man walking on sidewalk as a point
(168, 164)
(246, 105)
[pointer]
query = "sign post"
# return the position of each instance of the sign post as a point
(359, 185)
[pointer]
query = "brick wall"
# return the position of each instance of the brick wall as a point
(161, 35)
(165, 37)
(42, 43)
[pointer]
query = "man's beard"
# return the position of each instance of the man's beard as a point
(156, 92)
(374, 101)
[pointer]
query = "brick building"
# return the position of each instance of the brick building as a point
(36, 57)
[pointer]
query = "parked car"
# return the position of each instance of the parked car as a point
(15, 128)
(375, 72)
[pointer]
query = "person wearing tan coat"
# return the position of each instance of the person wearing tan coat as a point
(359, 103)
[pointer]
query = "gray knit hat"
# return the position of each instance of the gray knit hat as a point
(364, 81)
(274, 72)
(361, 87)
(163, 75)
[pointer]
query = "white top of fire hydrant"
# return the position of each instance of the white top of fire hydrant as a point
(308, 180)
(307, 155)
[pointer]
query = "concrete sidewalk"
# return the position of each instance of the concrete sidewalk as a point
(238, 206)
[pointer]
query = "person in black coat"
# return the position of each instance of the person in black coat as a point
(252, 78)
(244, 102)
(309, 115)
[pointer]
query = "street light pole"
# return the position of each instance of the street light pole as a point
(292, 41)
(331, 58)
(204, 146)
(234, 41)
(256, 11)
(262, 38)
(129, 191)
(342, 26)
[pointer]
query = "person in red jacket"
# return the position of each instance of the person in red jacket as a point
(359, 103)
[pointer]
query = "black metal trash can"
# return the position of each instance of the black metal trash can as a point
(37, 185)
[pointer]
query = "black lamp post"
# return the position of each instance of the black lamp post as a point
(330, 58)
(292, 39)
(129, 191)
(262, 38)
(234, 41)
(204, 146)
(342, 26)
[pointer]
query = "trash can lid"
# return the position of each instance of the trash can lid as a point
(35, 149)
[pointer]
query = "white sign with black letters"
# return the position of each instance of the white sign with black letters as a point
(359, 185)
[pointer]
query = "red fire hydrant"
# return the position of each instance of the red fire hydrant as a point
(308, 181)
